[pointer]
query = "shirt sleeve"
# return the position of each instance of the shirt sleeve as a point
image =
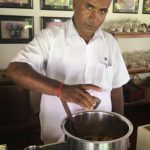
(36, 53)
(120, 72)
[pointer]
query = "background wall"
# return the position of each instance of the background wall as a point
(8, 51)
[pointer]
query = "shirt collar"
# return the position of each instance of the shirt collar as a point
(71, 31)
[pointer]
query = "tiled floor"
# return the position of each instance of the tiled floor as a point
(138, 115)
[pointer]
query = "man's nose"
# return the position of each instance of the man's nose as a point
(94, 15)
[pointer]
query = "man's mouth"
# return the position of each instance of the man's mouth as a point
(90, 26)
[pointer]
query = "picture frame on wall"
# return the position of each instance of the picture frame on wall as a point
(65, 5)
(125, 6)
(16, 29)
(28, 4)
(52, 21)
(146, 6)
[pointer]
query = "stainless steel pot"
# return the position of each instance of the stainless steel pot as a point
(115, 129)
(33, 147)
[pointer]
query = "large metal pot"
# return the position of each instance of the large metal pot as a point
(114, 128)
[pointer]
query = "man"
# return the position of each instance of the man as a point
(75, 63)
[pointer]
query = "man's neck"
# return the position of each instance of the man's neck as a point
(86, 37)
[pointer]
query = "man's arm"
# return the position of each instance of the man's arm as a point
(26, 76)
(117, 100)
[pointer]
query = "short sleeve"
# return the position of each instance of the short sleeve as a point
(36, 53)
(120, 72)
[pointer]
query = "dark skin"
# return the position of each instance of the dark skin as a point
(117, 100)
(88, 17)
(27, 77)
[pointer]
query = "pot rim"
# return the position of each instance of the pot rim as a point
(128, 122)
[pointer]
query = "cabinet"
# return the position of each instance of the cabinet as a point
(131, 34)
(136, 70)
(17, 120)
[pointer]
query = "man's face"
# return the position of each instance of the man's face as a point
(89, 15)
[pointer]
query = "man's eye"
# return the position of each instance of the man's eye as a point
(89, 7)
(103, 11)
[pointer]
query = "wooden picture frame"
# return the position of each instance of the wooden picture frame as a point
(28, 4)
(16, 29)
(126, 6)
(146, 7)
(52, 21)
(56, 5)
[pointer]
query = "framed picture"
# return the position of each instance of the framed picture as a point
(52, 21)
(16, 29)
(56, 5)
(125, 6)
(16, 4)
(146, 6)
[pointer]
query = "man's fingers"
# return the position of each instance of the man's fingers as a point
(86, 103)
(89, 98)
(78, 94)
(91, 87)
(81, 100)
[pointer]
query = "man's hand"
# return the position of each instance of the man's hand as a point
(78, 94)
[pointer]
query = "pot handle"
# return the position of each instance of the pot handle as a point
(54, 146)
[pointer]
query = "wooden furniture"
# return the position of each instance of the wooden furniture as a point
(136, 111)
(131, 34)
(139, 70)
(17, 120)
(118, 35)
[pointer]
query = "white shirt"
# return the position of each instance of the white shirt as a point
(61, 54)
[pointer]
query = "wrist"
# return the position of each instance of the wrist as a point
(59, 89)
